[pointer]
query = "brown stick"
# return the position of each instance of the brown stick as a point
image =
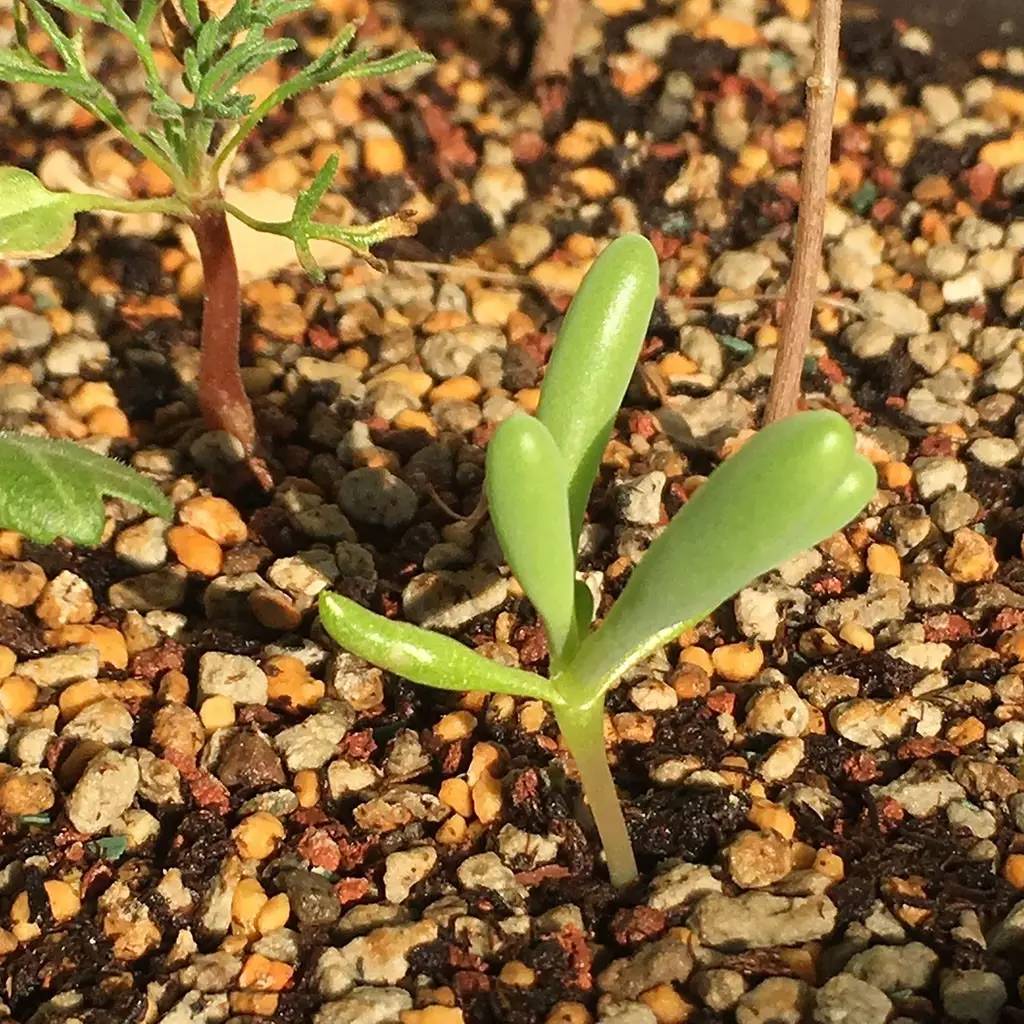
(222, 398)
(810, 229)
(553, 56)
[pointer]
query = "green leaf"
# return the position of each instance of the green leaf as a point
(528, 500)
(51, 489)
(429, 659)
(34, 222)
(594, 358)
(786, 489)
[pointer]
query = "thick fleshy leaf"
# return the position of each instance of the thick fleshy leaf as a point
(791, 486)
(51, 489)
(34, 222)
(429, 659)
(594, 358)
(528, 501)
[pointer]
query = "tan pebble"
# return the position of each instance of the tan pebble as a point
(177, 727)
(107, 421)
(532, 716)
(248, 900)
(21, 583)
(690, 681)
(733, 32)
(970, 558)
(197, 552)
(830, 865)
(307, 788)
(90, 396)
(254, 1004)
(274, 609)
(667, 1005)
(738, 663)
(457, 725)
(896, 474)
(487, 798)
(257, 836)
(217, 712)
(614, 8)
(486, 756)
(8, 942)
(758, 859)
(1004, 153)
(433, 1015)
(174, 688)
(109, 642)
(634, 727)
(274, 914)
(283, 319)
(452, 831)
(18, 695)
(463, 389)
(516, 973)
(415, 419)
(215, 517)
(583, 140)
(1013, 870)
(569, 1013)
(383, 155)
(883, 559)
(78, 696)
(594, 182)
(769, 816)
(456, 794)
(266, 975)
(857, 636)
(290, 684)
(11, 544)
(64, 901)
(693, 655)
(26, 792)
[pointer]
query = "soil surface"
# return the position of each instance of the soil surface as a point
(209, 813)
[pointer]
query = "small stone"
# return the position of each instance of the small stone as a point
(312, 898)
(66, 600)
(970, 559)
(759, 920)
(898, 311)
(378, 958)
(720, 989)
(404, 869)
(152, 591)
(61, 669)
(934, 475)
(639, 501)
(238, 678)
(778, 711)
(377, 497)
(28, 331)
(680, 885)
(366, 1005)
(954, 509)
(922, 790)
(895, 969)
(499, 189)
(21, 583)
(975, 996)
(143, 544)
(447, 600)
(706, 423)
(664, 962)
(247, 760)
(313, 742)
(758, 859)
(215, 517)
(740, 270)
(845, 999)
(775, 1001)
(106, 722)
(104, 792)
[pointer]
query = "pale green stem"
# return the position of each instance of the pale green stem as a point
(169, 205)
(583, 730)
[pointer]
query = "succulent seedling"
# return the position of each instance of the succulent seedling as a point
(51, 489)
(193, 131)
(787, 488)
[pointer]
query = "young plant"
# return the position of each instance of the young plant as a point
(786, 489)
(193, 141)
(51, 489)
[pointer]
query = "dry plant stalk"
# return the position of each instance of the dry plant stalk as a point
(810, 229)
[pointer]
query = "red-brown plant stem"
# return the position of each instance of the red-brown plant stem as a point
(553, 56)
(222, 398)
(810, 229)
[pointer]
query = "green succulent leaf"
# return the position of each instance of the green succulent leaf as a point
(527, 497)
(786, 489)
(51, 489)
(594, 359)
(429, 659)
(34, 222)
